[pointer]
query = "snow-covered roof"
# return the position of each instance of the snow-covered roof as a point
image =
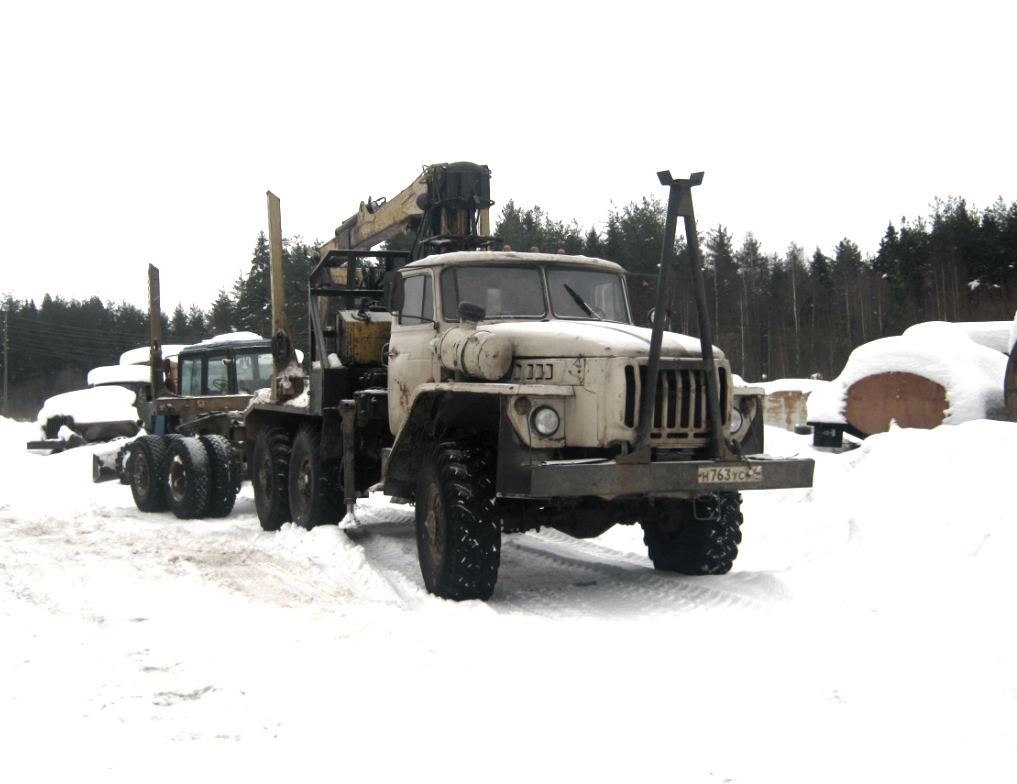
(139, 356)
(119, 374)
(513, 257)
(231, 337)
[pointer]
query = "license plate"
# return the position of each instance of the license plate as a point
(714, 475)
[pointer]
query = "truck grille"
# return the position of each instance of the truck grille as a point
(680, 406)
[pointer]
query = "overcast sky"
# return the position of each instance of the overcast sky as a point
(135, 133)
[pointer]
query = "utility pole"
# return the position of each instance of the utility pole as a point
(6, 311)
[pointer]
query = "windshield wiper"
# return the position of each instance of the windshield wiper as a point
(582, 302)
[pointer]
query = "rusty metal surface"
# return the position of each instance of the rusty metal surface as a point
(786, 409)
(181, 406)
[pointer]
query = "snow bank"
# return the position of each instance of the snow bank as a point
(860, 637)
(971, 373)
(90, 406)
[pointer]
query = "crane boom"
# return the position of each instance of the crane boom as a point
(446, 206)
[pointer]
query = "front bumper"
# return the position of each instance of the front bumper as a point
(609, 479)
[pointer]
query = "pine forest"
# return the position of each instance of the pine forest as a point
(794, 313)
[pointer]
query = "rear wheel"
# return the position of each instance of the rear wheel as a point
(695, 537)
(458, 528)
(270, 466)
(314, 489)
(224, 484)
(187, 476)
(144, 471)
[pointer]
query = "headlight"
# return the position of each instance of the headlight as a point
(736, 420)
(545, 421)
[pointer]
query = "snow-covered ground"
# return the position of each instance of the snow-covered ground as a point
(865, 634)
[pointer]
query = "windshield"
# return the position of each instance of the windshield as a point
(586, 294)
(503, 292)
(507, 292)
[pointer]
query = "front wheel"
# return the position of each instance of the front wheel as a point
(695, 537)
(458, 528)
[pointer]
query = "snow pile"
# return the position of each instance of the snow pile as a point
(90, 406)
(971, 373)
(991, 334)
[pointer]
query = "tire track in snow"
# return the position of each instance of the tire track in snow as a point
(554, 575)
(370, 559)
(548, 572)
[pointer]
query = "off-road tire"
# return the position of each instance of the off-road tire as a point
(458, 527)
(314, 490)
(187, 476)
(144, 471)
(678, 542)
(270, 471)
(225, 475)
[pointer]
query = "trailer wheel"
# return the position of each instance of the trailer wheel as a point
(225, 475)
(270, 465)
(314, 487)
(695, 537)
(144, 472)
(188, 477)
(458, 527)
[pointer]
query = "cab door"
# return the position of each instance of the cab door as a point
(411, 361)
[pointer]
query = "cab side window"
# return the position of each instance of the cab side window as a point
(418, 300)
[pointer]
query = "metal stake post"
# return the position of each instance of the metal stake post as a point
(680, 203)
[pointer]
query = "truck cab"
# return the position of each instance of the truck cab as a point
(209, 385)
(225, 365)
(551, 336)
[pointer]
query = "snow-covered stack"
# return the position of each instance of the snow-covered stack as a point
(965, 359)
